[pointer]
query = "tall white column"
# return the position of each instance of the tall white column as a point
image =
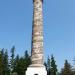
(37, 34)
(37, 59)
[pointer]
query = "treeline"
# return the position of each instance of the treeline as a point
(16, 65)
(51, 67)
(13, 65)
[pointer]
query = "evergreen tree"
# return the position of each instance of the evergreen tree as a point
(53, 66)
(12, 65)
(2, 53)
(6, 64)
(1, 65)
(67, 70)
(16, 63)
(22, 63)
(74, 67)
(48, 66)
(45, 64)
(21, 66)
(27, 60)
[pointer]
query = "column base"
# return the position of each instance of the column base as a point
(36, 71)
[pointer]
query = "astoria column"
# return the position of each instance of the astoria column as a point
(37, 55)
(37, 34)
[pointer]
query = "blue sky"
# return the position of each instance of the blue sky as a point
(59, 27)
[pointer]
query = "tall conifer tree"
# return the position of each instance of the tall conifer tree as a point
(12, 65)
(1, 64)
(53, 66)
(48, 66)
(67, 70)
(6, 64)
